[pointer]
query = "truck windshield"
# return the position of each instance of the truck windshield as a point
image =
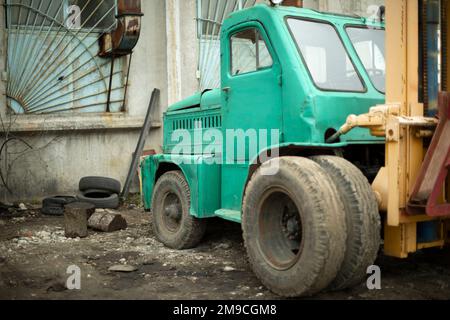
(325, 56)
(370, 46)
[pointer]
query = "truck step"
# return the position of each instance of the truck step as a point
(230, 215)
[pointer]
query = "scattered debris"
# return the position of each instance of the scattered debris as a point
(42, 237)
(149, 263)
(18, 220)
(107, 221)
(57, 287)
(229, 269)
(123, 268)
(22, 207)
(4, 208)
(224, 246)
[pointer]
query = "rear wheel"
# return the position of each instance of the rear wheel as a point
(362, 216)
(172, 222)
(294, 228)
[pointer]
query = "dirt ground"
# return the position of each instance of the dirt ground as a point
(35, 255)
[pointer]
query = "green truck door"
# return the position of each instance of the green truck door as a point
(251, 84)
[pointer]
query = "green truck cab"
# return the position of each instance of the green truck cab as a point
(255, 150)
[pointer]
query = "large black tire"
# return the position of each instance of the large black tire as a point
(172, 222)
(54, 206)
(100, 199)
(362, 216)
(58, 201)
(301, 260)
(100, 183)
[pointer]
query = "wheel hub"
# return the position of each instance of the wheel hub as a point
(280, 235)
(173, 212)
(292, 228)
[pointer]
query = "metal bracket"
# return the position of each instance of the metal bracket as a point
(429, 188)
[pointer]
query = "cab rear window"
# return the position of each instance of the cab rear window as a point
(369, 43)
(325, 56)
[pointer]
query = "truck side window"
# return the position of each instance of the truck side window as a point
(249, 52)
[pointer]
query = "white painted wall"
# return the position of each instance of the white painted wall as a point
(148, 66)
(182, 49)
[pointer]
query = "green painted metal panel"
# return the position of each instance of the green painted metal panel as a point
(230, 215)
(203, 178)
(253, 102)
(192, 101)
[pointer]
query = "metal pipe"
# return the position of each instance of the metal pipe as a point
(445, 29)
(431, 75)
(110, 84)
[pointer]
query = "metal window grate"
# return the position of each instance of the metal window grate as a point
(53, 64)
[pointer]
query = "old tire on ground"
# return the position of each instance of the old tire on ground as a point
(53, 211)
(100, 183)
(58, 200)
(294, 228)
(172, 222)
(362, 216)
(101, 199)
(54, 206)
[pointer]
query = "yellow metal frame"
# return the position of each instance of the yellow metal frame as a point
(446, 80)
(447, 232)
(404, 146)
(401, 121)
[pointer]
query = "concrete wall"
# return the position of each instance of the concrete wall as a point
(64, 158)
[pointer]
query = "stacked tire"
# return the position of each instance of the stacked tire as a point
(54, 206)
(100, 191)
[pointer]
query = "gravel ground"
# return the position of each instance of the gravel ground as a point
(35, 255)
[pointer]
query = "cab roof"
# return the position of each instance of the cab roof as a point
(286, 11)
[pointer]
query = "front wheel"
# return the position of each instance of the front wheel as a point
(172, 222)
(294, 228)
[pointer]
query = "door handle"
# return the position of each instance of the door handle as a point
(226, 89)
